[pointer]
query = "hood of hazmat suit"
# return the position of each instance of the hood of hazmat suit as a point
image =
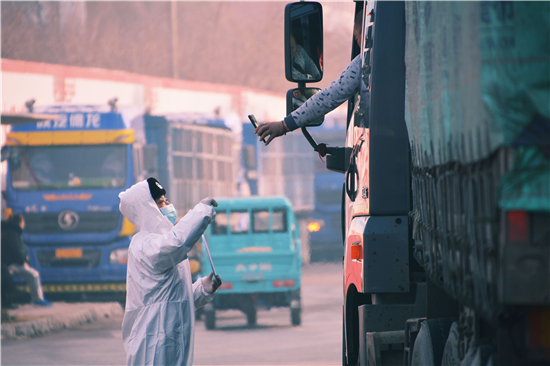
(159, 320)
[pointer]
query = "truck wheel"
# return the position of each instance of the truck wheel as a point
(296, 307)
(210, 319)
(251, 316)
(248, 307)
(296, 316)
(430, 342)
(351, 331)
(345, 361)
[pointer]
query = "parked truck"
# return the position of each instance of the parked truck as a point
(447, 184)
(197, 157)
(324, 223)
(65, 175)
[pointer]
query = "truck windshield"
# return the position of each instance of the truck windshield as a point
(66, 167)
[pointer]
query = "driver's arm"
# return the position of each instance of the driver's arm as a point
(329, 98)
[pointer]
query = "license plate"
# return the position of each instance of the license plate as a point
(253, 277)
(68, 253)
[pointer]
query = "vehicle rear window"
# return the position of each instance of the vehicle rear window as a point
(219, 225)
(260, 221)
(279, 221)
(239, 222)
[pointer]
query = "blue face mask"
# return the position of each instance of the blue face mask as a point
(170, 213)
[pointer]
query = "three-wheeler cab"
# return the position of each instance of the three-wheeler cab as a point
(255, 247)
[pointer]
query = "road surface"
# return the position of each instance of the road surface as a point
(274, 341)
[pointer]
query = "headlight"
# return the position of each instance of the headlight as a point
(315, 226)
(119, 256)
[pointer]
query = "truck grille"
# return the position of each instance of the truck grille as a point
(90, 258)
(86, 222)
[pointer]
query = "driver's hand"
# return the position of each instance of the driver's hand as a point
(271, 129)
(211, 283)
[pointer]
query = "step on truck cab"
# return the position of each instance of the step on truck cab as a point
(255, 247)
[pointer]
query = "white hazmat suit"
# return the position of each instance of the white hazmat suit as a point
(159, 320)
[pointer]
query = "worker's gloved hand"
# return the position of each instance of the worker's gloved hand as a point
(209, 201)
(211, 283)
(271, 129)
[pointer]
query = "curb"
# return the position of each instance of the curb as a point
(59, 316)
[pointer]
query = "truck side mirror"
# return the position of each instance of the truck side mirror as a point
(13, 155)
(296, 97)
(5, 153)
(304, 42)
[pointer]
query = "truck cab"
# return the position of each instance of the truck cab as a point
(64, 176)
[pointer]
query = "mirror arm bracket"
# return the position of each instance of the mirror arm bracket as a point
(309, 138)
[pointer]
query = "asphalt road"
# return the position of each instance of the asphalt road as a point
(274, 341)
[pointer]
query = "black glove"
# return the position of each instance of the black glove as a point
(211, 283)
(217, 282)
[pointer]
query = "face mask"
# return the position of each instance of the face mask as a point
(170, 213)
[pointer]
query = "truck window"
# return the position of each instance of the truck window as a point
(219, 226)
(260, 221)
(279, 221)
(239, 222)
(65, 167)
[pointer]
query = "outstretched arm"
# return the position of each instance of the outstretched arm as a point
(329, 98)
(318, 105)
(166, 251)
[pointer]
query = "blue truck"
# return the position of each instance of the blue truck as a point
(65, 175)
(193, 157)
(324, 223)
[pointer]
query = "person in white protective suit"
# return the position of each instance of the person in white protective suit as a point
(159, 319)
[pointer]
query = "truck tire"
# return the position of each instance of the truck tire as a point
(351, 330)
(210, 319)
(296, 307)
(430, 342)
(344, 358)
(296, 316)
(345, 361)
(251, 316)
(248, 307)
